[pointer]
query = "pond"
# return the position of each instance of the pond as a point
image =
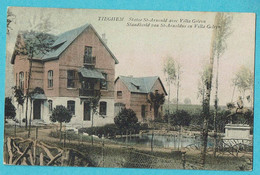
(164, 141)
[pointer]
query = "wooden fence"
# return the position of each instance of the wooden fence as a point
(19, 151)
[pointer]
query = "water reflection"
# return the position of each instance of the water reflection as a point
(165, 141)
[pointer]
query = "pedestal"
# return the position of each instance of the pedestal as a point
(237, 131)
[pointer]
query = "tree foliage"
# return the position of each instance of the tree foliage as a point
(33, 43)
(244, 79)
(10, 19)
(169, 69)
(10, 110)
(180, 118)
(156, 100)
(126, 120)
(19, 96)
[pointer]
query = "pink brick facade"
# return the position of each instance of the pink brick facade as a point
(138, 102)
(72, 58)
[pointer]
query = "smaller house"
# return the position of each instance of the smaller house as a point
(133, 92)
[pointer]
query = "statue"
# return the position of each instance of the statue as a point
(237, 110)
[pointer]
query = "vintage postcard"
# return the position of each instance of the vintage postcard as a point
(129, 89)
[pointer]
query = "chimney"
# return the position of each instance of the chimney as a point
(104, 38)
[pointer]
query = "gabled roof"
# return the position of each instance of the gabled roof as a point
(64, 40)
(140, 84)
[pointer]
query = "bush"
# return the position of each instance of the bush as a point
(159, 120)
(126, 120)
(180, 118)
(9, 109)
(144, 126)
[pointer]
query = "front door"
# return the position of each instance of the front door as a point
(87, 112)
(36, 109)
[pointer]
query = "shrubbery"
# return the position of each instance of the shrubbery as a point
(10, 110)
(109, 130)
(180, 118)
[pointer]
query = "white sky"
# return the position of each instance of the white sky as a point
(141, 50)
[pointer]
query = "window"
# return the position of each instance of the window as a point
(21, 80)
(88, 51)
(119, 94)
(71, 106)
(50, 78)
(103, 108)
(50, 106)
(71, 79)
(103, 83)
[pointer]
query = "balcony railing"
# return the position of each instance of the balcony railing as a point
(89, 60)
(88, 92)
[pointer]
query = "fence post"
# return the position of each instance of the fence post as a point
(152, 141)
(103, 145)
(183, 158)
(36, 132)
(64, 139)
(79, 138)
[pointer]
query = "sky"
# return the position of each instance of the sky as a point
(141, 50)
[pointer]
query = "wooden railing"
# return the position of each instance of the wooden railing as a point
(88, 60)
(19, 151)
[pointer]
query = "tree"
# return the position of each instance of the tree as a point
(18, 94)
(244, 81)
(178, 73)
(180, 118)
(10, 19)
(126, 120)
(170, 72)
(9, 109)
(187, 101)
(31, 44)
(222, 34)
(156, 100)
(94, 101)
(206, 101)
(61, 114)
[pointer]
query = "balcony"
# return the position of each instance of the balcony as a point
(88, 92)
(89, 60)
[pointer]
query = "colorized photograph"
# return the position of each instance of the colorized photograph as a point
(129, 89)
